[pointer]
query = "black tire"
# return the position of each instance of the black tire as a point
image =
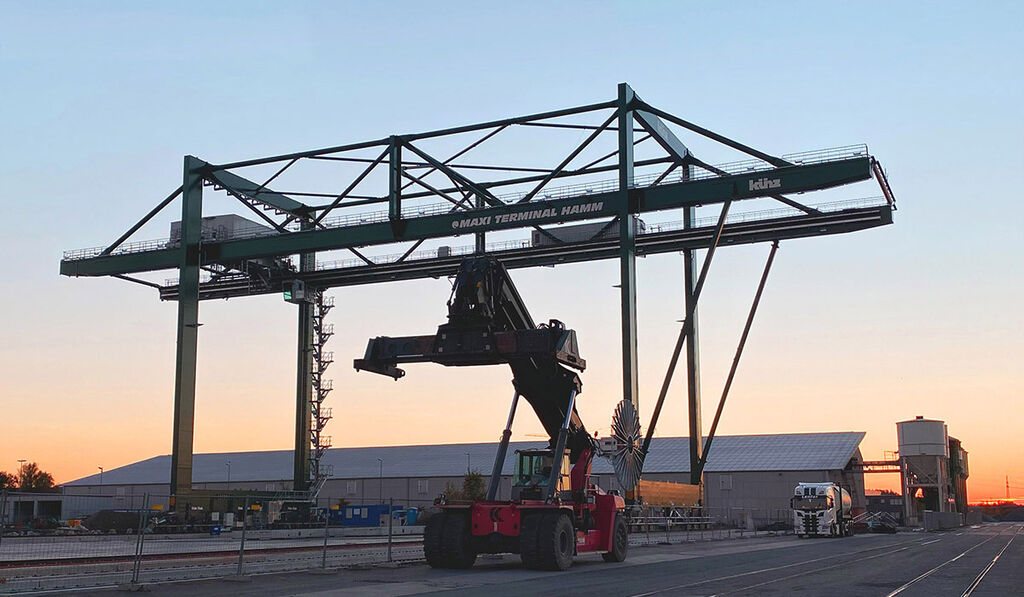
(433, 547)
(528, 548)
(455, 542)
(620, 541)
(556, 539)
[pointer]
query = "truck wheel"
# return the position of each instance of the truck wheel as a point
(528, 549)
(557, 541)
(620, 541)
(433, 547)
(455, 544)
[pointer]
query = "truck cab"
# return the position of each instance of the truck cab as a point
(821, 509)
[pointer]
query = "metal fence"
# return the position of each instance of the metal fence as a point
(655, 525)
(64, 541)
(61, 541)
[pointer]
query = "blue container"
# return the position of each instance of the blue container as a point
(365, 516)
(410, 516)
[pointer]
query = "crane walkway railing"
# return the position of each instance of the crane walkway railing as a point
(508, 245)
(575, 190)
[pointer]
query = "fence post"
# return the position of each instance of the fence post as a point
(327, 521)
(3, 513)
(139, 540)
(241, 545)
(391, 520)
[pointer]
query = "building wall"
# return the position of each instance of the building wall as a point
(764, 492)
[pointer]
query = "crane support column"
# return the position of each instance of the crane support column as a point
(627, 248)
(692, 354)
(188, 327)
(304, 383)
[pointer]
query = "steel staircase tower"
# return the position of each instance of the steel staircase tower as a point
(319, 414)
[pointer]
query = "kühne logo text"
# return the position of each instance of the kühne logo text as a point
(763, 184)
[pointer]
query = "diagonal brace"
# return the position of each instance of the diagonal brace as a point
(736, 360)
(477, 189)
(570, 157)
(463, 151)
(117, 243)
(687, 324)
(351, 186)
(242, 186)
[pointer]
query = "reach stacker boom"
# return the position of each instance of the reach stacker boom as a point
(555, 511)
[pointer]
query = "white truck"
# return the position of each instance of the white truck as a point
(821, 510)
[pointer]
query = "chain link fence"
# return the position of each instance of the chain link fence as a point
(62, 541)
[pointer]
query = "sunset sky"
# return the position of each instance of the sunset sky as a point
(855, 332)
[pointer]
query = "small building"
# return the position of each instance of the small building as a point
(885, 502)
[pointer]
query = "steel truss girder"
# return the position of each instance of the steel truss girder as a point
(792, 179)
(740, 233)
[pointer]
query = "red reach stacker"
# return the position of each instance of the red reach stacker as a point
(555, 511)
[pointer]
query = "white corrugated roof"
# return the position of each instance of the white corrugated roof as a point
(729, 453)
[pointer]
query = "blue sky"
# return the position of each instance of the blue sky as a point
(100, 101)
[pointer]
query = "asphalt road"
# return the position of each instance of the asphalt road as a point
(983, 561)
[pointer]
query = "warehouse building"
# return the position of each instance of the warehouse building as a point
(744, 472)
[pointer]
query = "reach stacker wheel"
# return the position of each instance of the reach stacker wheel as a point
(620, 541)
(529, 551)
(556, 539)
(446, 542)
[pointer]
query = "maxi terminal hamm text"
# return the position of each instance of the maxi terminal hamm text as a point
(537, 214)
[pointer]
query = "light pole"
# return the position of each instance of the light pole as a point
(101, 474)
(228, 464)
(468, 463)
(380, 478)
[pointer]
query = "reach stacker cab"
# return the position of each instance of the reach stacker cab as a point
(531, 474)
(555, 512)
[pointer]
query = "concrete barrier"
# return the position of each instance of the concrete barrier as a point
(935, 521)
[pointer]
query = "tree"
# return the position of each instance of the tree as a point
(8, 481)
(473, 488)
(32, 478)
